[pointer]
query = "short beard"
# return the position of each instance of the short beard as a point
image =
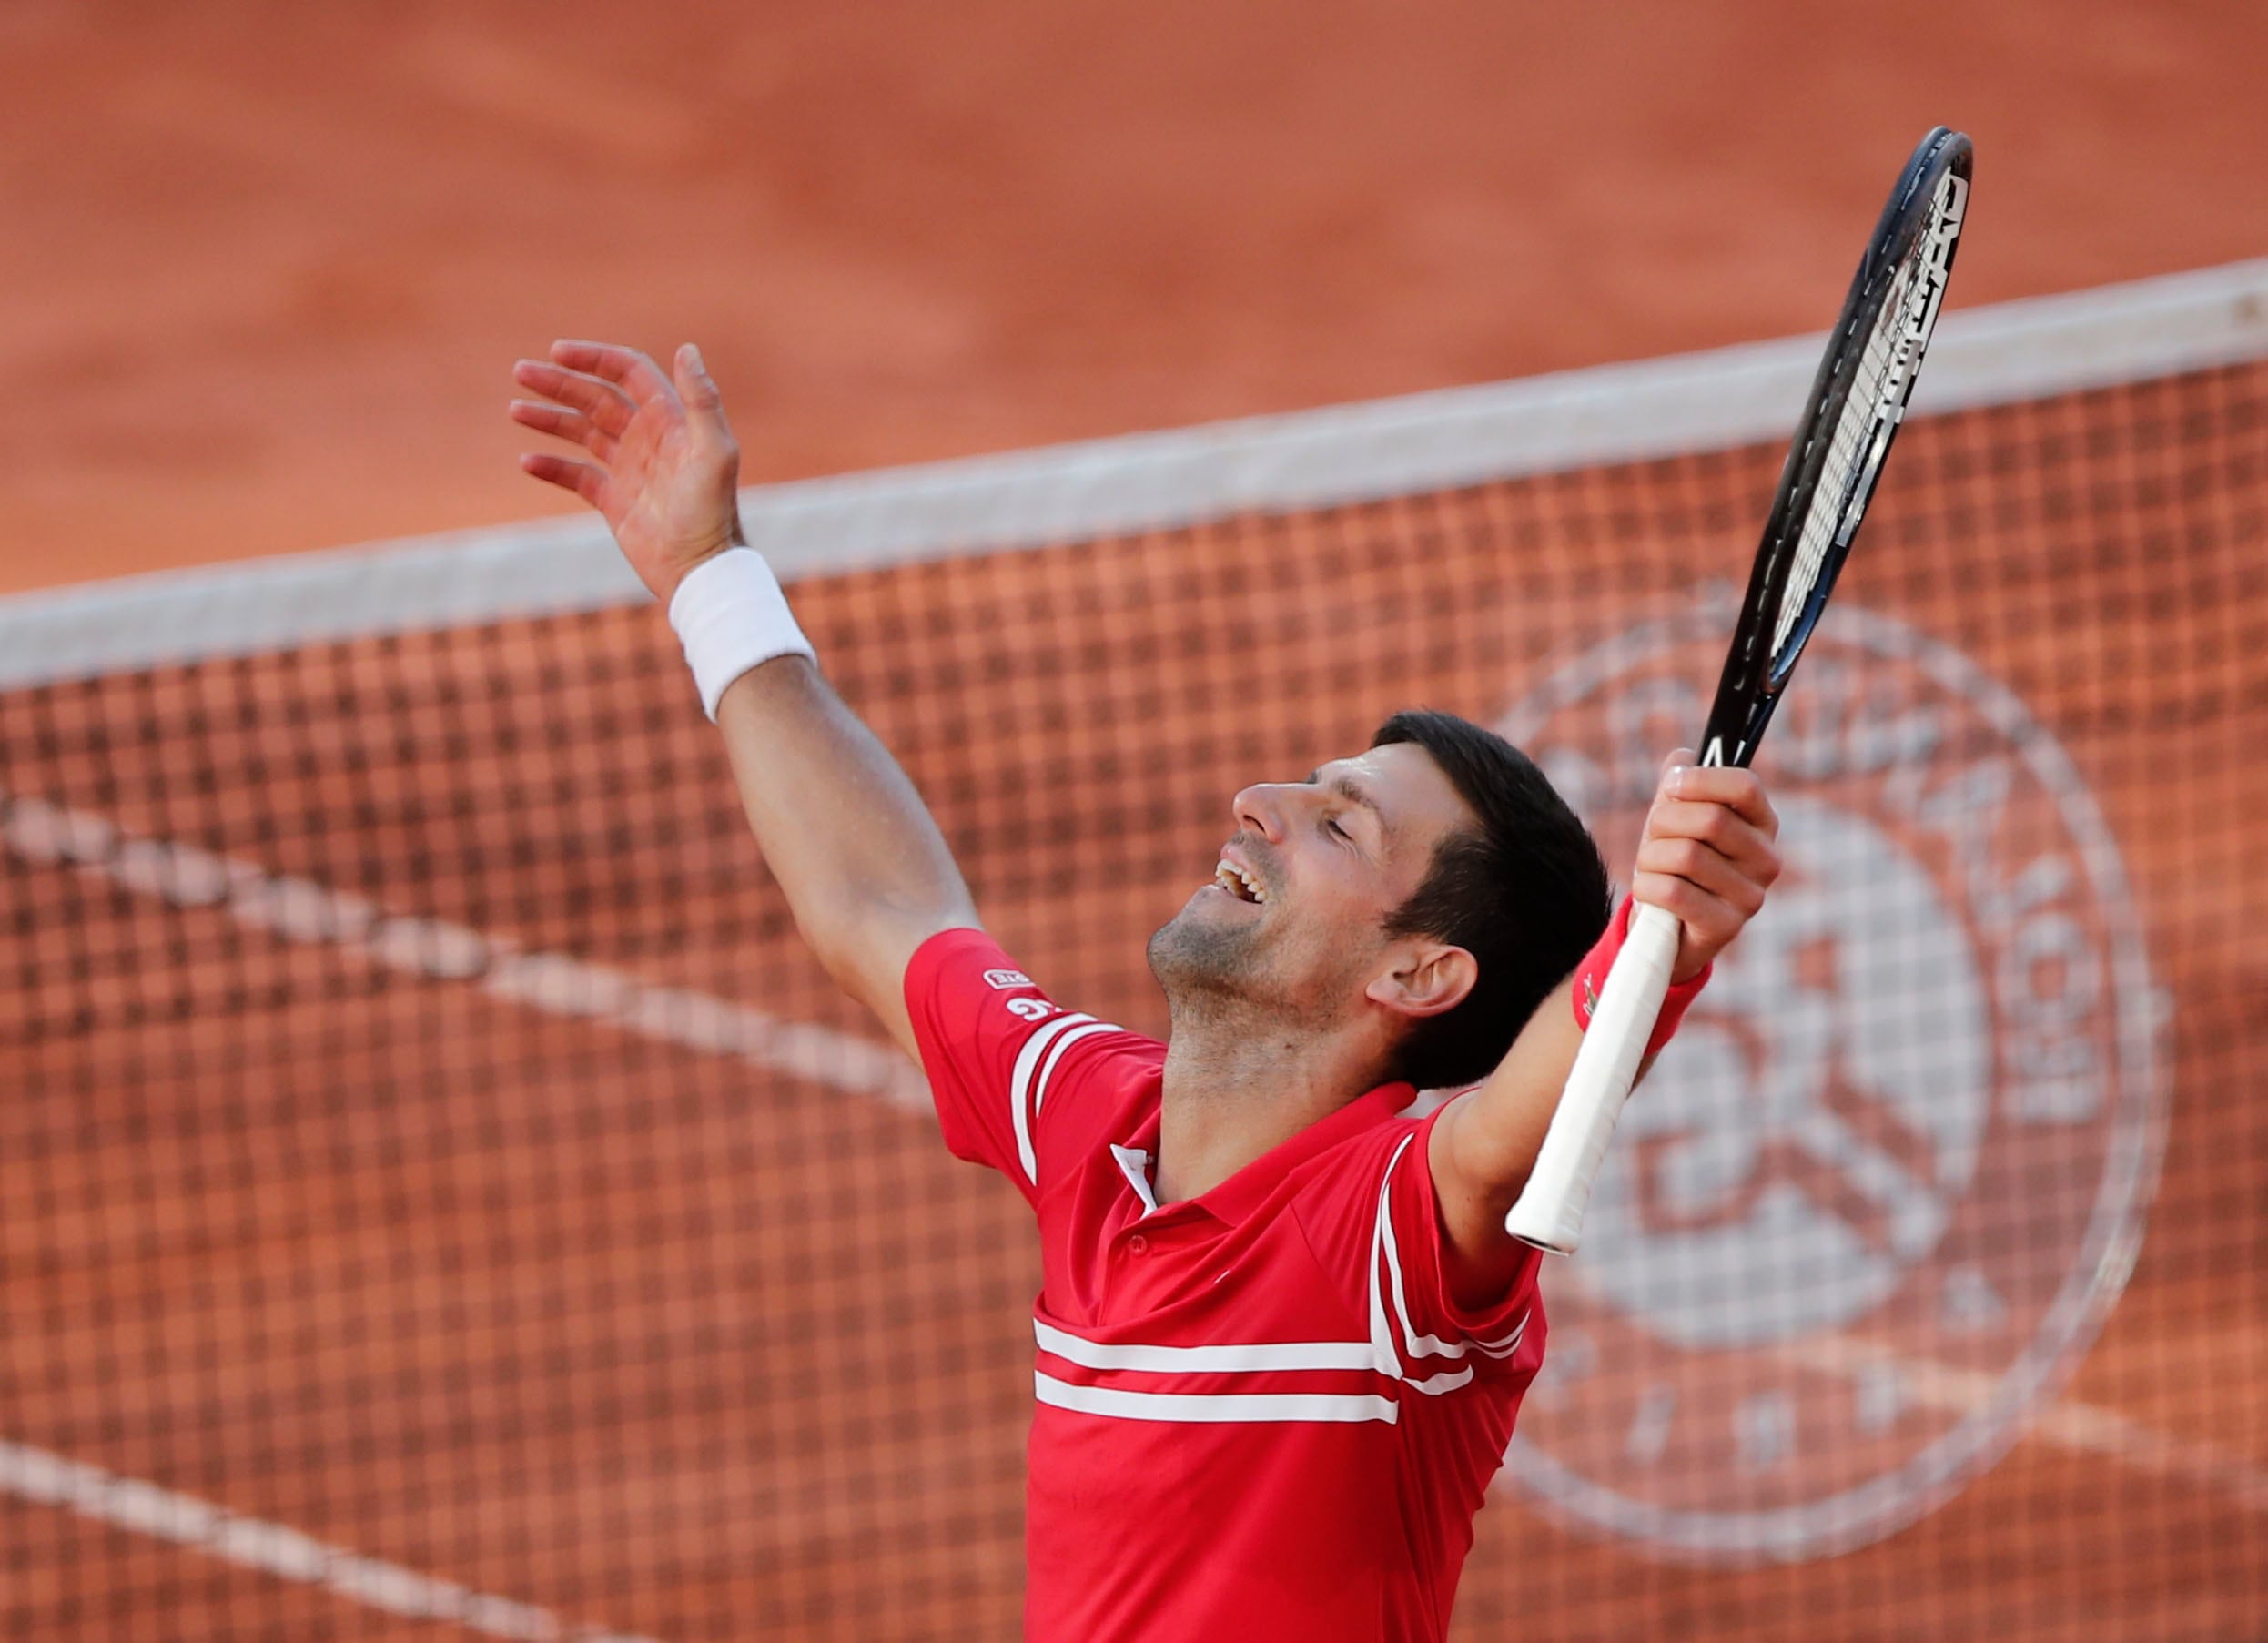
(1214, 972)
(1204, 970)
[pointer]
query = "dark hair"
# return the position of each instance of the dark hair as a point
(1526, 893)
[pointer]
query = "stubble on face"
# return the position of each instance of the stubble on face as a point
(1199, 960)
(1217, 968)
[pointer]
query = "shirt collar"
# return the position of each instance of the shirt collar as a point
(1244, 1191)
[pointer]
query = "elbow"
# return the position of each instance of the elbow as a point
(836, 942)
(866, 946)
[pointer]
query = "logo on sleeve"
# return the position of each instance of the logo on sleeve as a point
(1869, 1212)
(1004, 979)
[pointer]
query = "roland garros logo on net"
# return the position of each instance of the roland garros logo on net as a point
(1871, 1206)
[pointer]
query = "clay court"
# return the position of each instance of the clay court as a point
(383, 1161)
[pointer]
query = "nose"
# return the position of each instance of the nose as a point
(1264, 807)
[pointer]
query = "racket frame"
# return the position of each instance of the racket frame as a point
(1756, 670)
(1930, 198)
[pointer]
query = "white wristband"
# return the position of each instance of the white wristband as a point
(730, 616)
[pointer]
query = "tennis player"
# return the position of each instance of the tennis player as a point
(1281, 1335)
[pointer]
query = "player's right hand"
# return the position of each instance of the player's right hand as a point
(664, 469)
(1709, 854)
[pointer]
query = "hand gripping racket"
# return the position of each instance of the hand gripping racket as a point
(1857, 402)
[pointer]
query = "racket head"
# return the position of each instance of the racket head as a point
(1857, 404)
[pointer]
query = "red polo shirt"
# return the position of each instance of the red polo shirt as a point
(1260, 1414)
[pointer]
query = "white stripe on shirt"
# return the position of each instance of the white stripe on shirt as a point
(1213, 1407)
(1377, 1355)
(1046, 1069)
(1386, 1251)
(1203, 1360)
(1019, 1088)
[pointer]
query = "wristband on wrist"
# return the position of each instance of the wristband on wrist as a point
(730, 616)
(1591, 981)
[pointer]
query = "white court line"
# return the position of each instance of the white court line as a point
(432, 949)
(2085, 1428)
(252, 1543)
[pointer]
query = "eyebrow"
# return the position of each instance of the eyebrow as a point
(1353, 792)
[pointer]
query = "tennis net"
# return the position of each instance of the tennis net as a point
(440, 1192)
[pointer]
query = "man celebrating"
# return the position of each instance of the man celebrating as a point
(1282, 1333)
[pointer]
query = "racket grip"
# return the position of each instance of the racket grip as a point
(1549, 1214)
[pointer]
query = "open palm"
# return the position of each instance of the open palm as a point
(663, 469)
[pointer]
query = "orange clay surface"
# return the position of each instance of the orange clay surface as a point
(265, 267)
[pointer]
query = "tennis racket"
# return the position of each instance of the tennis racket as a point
(1855, 405)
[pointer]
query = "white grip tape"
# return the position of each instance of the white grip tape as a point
(730, 616)
(1549, 1214)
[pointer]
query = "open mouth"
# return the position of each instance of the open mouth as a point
(1239, 883)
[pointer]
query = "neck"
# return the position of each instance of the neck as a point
(1237, 1087)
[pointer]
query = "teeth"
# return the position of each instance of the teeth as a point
(1239, 883)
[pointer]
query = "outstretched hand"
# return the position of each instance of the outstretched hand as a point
(1708, 855)
(664, 469)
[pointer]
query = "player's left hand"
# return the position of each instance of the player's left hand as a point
(1708, 855)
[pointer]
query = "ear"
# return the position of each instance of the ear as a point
(1427, 979)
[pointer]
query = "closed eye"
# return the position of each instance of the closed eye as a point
(1352, 792)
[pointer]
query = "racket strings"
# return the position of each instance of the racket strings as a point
(1872, 406)
(1832, 498)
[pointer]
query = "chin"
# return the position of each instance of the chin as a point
(1199, 950)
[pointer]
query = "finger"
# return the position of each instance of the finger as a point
(1725, 784)
(1707, 923)
(626, 368)
(601, 401)
(1710, 917)
(1722, 829)
(562, 423)
(586, 480)
(1689, 859)
(704, 403)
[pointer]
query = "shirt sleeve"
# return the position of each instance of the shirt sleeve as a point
(1439, 1345)
(1006, 1063)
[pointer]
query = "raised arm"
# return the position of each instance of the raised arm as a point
(1707, 855)
(864, 866)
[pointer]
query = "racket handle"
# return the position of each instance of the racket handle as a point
(1549, 1214)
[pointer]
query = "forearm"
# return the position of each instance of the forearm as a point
(1485, 1147)
(1498, 1129)
(864, 869)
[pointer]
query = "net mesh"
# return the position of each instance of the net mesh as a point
(443, 1197)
